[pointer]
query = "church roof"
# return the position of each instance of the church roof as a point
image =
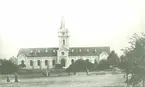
(73, 51)
(38, 52)
(88, 51)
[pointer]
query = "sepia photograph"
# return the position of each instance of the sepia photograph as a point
(72, 43)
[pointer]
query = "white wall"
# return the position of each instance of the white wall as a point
(68, 60)
(35, 59)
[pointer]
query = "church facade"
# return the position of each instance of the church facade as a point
(40, 58)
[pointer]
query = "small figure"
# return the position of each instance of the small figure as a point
(87, 71)
(16, 77)
(8, 79)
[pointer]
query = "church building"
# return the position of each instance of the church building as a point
(40, 58)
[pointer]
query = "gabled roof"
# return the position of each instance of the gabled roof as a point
(88, 51)
(73, 51)
(38, 52)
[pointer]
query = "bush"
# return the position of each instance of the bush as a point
(22, 66)
(80, 66)
(103, 64)
(58, 66)
(7, 67)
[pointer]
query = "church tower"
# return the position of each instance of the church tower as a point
(63, 50)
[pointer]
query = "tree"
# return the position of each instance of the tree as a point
(135, 59)
(103, 64)
(7, 67)
(80, 65)
(13, 59)
(113, 59)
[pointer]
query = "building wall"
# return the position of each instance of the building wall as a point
(35, 62)
(50, 60)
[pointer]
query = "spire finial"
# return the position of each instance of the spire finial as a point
(62, 23)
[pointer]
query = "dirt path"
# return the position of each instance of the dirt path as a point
(71, 81)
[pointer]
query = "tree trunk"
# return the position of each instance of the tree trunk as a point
(143, 83)
(127, 80)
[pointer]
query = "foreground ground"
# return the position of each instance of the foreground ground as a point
(79, 80)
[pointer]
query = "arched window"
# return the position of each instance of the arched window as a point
(63, 42)
(22, 62)
(46, 62)
(63, 33)
(38, 62)
(63, 62)
(72, 61)
(62, 53)
(31, 63)
(53, 62)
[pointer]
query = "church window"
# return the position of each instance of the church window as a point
(87, 50)
(80, 50)
(63, 62)
(22, 62)
(62, 53)
(38, 51)
(38, 62)
(46, 50)
(63, 33)
(72, 50)
(72, 61)
(31, 63)
(53, 62)
(63, 42)
(31, 51)
(46, 62)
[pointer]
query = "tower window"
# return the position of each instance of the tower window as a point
(62, 53)
(63, 33)
(63, 42)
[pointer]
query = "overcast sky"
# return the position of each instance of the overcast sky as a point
(35, 23)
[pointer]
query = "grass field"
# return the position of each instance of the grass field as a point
(79, 80)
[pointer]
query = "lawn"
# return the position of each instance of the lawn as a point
(79, 80)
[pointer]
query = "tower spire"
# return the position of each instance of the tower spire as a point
(62, 23)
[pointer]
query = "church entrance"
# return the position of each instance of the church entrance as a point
(63, 61)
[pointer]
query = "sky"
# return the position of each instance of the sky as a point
(91, 23)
